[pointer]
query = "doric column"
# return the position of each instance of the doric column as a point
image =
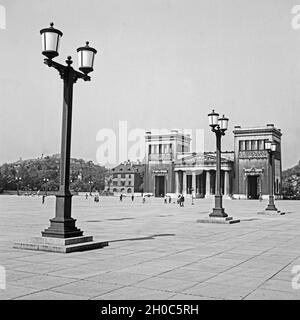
(226, 183)
(207, 192)
(184, 182)
(194, 183)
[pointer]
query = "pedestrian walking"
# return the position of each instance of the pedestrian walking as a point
(132, 197)
(121, 197)
(179, 200)
(43, 199)
(182, 201)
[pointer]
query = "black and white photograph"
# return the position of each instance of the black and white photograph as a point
(149, 151)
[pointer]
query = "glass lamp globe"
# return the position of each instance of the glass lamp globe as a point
(50, 41)
(86, 56)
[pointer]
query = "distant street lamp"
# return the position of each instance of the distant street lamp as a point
(46, 180)
(218, 126)
(271, 147)
(18, 181)
(192, 190)
(90, 183)
(63, 225)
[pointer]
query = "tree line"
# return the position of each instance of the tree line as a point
(43, 174)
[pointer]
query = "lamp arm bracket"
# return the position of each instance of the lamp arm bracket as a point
(66, 71)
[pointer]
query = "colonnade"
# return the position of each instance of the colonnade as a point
(181, 185)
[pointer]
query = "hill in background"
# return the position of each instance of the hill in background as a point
(291, 182)
(41, 173)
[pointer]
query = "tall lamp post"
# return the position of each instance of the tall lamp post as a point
(46, 180)
(218, 215)
(90, 183)
(18, 180)
(63, 225)
(192, 190)
(271, 147)
(62, 235)
(218, 126)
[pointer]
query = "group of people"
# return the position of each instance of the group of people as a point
(167, 198)
(121, 197)
(180, 200)
(96, 197)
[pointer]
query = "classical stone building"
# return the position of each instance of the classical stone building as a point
(162, 152)
(170, 167)
(251, 161)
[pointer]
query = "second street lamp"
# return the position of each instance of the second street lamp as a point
(218, 126)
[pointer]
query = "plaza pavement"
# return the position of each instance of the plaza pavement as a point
(156, 251)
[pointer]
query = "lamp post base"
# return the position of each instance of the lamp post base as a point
(271, 207)
(218, 213)
(63, 225)
(64, 228)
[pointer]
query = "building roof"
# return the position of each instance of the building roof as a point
(267, 129)
(128, 167)
(167, 135)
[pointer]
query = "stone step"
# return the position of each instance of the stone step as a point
(226, 220)
(60, 245)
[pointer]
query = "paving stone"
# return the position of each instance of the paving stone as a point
(218, 291)
(42, 281)
(86, 288)
(136, 294)
(263, 294)
(165, 284)
(51, 295)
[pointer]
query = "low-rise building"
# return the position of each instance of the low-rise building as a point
(127, 177)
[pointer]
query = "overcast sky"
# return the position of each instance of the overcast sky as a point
(160, 64)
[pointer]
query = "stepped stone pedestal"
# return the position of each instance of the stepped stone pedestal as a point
(272, 212)
(222, 220)
(61, 245)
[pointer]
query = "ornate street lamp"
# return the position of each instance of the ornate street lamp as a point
(218, 215)
(63, 225)
(46, 180)
(90, 183)
(271, 148)
(18, 180)
(218, 126)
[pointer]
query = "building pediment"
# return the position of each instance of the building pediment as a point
(202, 159)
